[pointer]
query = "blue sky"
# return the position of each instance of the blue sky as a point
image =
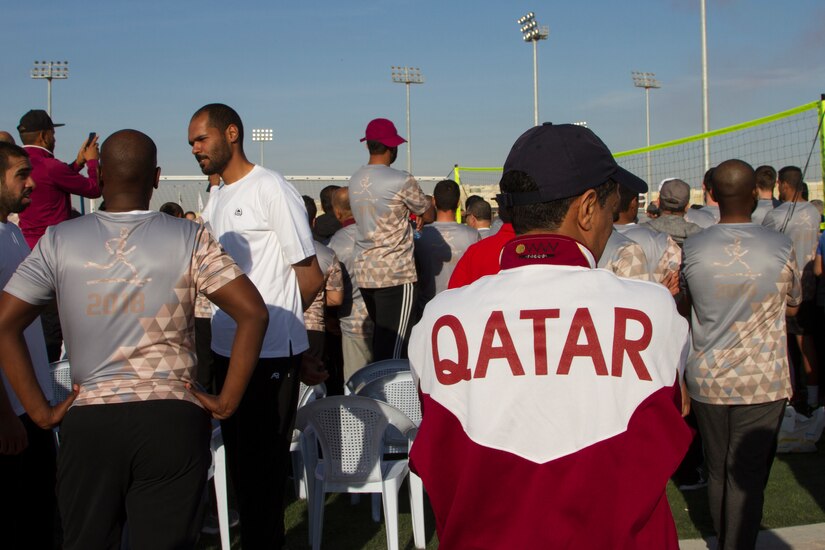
(317, 72)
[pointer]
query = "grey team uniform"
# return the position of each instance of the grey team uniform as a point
(624, 257)
(662, 253)
(741, 278)
(125, 285)
(356, 326)
(382, 199)
(762, 208)
(800, 222)
(437, 251)
(703, 217)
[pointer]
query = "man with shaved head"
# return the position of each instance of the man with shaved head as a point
(356, 326)
(6, 137)
(134, 434)
(742, 279)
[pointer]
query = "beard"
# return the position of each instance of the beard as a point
(11, 204)
(217, 160)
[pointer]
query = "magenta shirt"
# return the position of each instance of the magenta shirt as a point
(55, 182)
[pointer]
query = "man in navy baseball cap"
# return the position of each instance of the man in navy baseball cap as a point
(564, 160)
(593, 358)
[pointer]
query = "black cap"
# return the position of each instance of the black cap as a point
(564, 160)
(36, 120)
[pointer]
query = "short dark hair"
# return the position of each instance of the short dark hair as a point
(9, 151)
(792, 176)
(707, 181)
(171, 208)
(543, 215)
(312, 208)
(765, 177)
(221, 116)
(326, 197)
(376, 147)
(626, 197)
(480, 209)
(470, 200)
(447, 195)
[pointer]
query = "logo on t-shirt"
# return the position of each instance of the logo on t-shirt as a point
(239, 212)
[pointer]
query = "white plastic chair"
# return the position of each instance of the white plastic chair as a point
(350, 430)
(306, 394)
(400, 391)
(370, 372)
(61, 373)
(218, 472)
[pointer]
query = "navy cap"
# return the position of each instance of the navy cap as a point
(564, 160)
(36, 120)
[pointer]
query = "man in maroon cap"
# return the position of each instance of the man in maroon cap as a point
(51, 204)
(382, 199)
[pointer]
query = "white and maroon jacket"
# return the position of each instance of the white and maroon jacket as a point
(551, 408)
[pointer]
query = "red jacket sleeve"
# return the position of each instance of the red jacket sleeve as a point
(67, 177)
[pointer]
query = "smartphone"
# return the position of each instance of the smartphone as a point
(89, 141)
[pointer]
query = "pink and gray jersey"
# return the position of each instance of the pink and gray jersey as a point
(741, 277)
(624, 257)
(382, 199)
(662, 253)
(333, 280)
(800, 222)
(125, 285)
(353, 315)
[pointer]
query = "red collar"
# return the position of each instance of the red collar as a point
(348, 222)
(545, 249)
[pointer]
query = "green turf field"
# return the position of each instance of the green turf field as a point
(795, 496)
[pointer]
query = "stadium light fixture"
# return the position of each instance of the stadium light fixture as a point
(262, 135)
(407, 76)
(533, 32)
(647, 81)
(50, 70)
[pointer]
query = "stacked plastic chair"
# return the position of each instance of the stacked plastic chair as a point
(351, 432)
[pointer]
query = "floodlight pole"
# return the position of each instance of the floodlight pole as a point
(647, 81)
(50, 70)
(705, 116)
(533, 32)
(407, 76)
(262, 135)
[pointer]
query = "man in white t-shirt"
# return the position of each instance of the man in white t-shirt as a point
(260, 220)
(27, 457)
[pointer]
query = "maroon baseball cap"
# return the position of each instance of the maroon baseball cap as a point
(383, 131)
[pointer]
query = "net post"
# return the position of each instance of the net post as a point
(457, 172)
(821, 112)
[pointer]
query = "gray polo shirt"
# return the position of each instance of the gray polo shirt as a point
(741, 277)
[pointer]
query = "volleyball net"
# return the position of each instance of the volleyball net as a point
(793, 137)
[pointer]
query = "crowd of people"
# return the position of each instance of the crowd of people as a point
(561, 347)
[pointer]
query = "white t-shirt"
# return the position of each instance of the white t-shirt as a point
(262, 223)
(13, 250)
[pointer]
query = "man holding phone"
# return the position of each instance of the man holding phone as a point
(55, 183)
